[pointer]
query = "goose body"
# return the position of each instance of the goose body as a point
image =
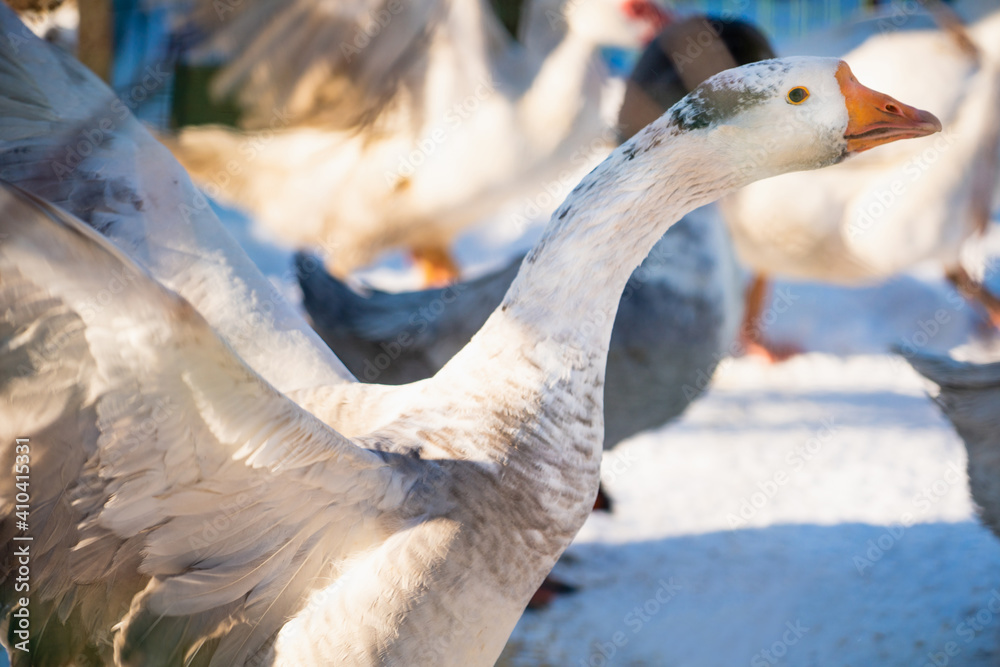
(313, 541)
(969, 395)
(411, 176)
(189, 509)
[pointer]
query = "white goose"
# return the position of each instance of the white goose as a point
(384, 149)
(871, 218)
(184, 508)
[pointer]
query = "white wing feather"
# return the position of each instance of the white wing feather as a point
(236, 501)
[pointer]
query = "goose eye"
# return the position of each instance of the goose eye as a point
(798, 95)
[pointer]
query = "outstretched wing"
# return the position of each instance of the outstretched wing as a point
(172, 489)
(66, 138)
(343, 64)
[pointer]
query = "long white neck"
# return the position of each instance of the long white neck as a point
(545, 349)
(606, 227)
(525, 401)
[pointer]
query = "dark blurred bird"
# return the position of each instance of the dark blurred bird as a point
(969, 395)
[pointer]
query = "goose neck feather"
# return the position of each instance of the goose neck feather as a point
(607, 226)
(540, 358)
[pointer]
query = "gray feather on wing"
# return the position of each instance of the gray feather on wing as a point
(187, 491)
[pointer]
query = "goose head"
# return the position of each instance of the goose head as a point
(792, 114)
(739, 126)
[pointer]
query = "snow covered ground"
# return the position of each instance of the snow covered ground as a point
(825, 495)
(814, 512)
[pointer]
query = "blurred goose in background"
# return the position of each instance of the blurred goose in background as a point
(188, 510)
(871, 218)
(675, 321)
(80, 27)
(404, 139)
(969, 396)
(669, 68)
(56, 21)
(65, 137)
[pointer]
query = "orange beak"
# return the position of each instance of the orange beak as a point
(875, 119)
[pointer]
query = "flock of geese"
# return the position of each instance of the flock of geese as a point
(394, 144)
(209, 484)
